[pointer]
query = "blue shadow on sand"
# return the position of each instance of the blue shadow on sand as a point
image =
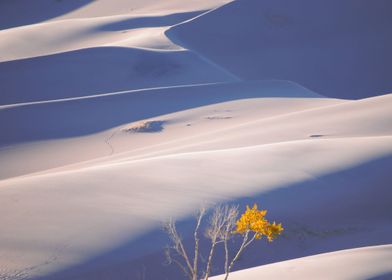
(80, 117)
(150, 21)
(332, 224)
(15, 13)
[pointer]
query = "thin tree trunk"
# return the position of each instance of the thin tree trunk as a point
(226, 256)
(196, 237)
(244, 244)
(188, 263)
(209, 261)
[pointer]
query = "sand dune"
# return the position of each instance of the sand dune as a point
(320, 46)
(248, 169)
(86, 72)
(73, 34)
(24, 12)
(106, 7)
(342, 261)
(35, 127)
(116, 115)
(21, 12)
(97, 56)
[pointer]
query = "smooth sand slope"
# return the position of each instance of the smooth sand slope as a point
(116, 115)
(249, 158)
(348, 264)
(336, 48)
(141, 31)
(24, 12)
(35, 126)
(90, 56)
(88, 72)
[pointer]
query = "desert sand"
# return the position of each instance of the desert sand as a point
(117, 115)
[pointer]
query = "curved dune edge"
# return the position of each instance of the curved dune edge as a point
(362, 263)
(298, 41)
(115, 115)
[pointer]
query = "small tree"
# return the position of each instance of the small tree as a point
(223, 224)
(252, 225)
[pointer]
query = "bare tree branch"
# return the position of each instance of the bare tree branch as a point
(178, 246)
(199, 218)
(239, 252)
(222, 222)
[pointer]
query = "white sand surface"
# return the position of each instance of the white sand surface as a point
(345, 265)
(116, 115)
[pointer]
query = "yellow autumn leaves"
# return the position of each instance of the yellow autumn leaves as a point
(254, 221)
(223, 225)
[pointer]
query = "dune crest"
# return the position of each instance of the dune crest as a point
(117, 115)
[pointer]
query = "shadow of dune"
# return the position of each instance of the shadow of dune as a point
(99, 70)
(347, 209)
(384, 276)
(151, 21)
(347, 57)
(80, 117)
(15, 13)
